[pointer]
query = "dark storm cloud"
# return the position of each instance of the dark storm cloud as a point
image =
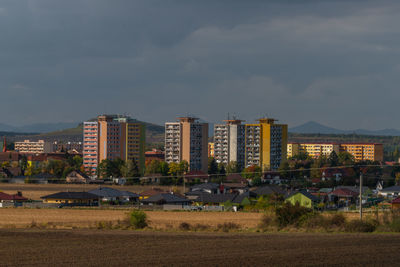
(331, 61)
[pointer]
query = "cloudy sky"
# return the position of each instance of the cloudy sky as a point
(335, 62)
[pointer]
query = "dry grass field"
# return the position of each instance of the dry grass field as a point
(20, 217)
(132, 248)
(35, 191)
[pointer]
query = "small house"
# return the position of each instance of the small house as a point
(304, 199)
(76, 177)
(166, 198)
(72, 198)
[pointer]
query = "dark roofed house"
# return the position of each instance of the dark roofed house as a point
(268, 190)
(211, 188)
(235, 178)
(390, 191)
(111, 194)
(196, 175)
(72, 198)
(343, 196)
(151, 192)
(214, 199)
(166, 198)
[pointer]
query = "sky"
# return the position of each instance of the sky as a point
(334, 62)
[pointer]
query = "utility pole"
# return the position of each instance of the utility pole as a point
(361, 182)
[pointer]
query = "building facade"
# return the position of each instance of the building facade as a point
(265, 144)
(112, 137)
(229, 142)
(187, 140)
(313, 150)
(37, 147)
(360, 151)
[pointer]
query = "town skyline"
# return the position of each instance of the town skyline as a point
(332, 61)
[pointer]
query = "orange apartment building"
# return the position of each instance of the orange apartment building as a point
(360, 151)
(187, 139)
(112, 137)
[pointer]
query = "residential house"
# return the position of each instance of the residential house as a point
(151, 192)
(16, 198)
(72, 198)
(166, 198)
(396, 203)
(391, 191)
(302, 197)
(268, 190)
(343, 196)
(77, 177)
(111, 194)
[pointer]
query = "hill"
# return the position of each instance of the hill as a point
(313, 127)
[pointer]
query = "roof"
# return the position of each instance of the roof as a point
(75, 172)
(111, 192)
(196, 174)
(268, 190)
(165, 198)
(304, 193)
(210, 186)
(4, 196)
(239, 198)
(9, 156)
(354, 188)
(235, 178)
(325, 190)
(395, 188)
(215, 198)
(396, 201)
(344, 192)
(72, 195)
(152, 192)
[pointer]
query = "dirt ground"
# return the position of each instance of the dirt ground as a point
(35, 191)
(20, 217)
(130, 248)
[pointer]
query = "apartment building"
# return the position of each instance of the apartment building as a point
(313, 150)
(364, 151)
(229, 142)
(265, 144)
(67, 146)
(112, 137)
(36, 147)
(187, 139)
(360, 151)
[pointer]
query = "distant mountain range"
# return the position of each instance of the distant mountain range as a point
(38, 127)
(313, 127)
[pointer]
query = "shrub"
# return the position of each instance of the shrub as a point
(201, 227)
(289, 214)
(338, 220)
(267, 220)
(138, 219)
(314, 221)
(184, 226)
(395, 225)
(228, 226)
(360, 226)
(104, 225)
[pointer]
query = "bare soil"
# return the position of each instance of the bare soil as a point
(130, 248)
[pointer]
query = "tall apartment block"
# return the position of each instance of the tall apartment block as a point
(266, 144)
(187, 139)
(112, 137)
(229, 142)
(360, 151)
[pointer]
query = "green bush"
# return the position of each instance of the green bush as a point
(289, 214)
(185, 226)
(138, 219)
(360, 226)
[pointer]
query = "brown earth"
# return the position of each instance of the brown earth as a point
(35, 191)
(19, 217)
(130, 248)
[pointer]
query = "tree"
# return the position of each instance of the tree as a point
(284, 169)
(333, 159)
(77, 162)
(164, 168)
(212, 166)
(233, 167)
(345, 158)
(130, 169)
(153, 167)
(252, 172)
(24, 163)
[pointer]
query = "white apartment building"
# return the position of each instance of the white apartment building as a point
(229, 142)
(33, 147)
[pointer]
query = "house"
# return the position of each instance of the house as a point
(148, 193)
(166, 198)
(152, 178)
(343, 196)
(77, 177)
(192, 176)
(214, 199)
(72, 198)
(396, 203)
(235, 178)
(355, 188)
(111, 194)
(268, 190)
(17, 198)
(210, 188)
(304, 199)
(391, 191)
